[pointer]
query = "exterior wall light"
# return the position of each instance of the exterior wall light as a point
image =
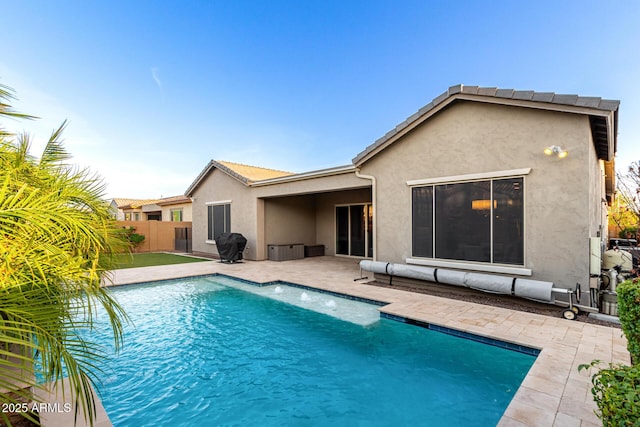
(557, 150)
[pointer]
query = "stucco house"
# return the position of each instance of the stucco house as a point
(174, 209)
(480, 179)
(119, 204)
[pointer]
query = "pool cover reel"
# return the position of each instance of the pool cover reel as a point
(525, 288)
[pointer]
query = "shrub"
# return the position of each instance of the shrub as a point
(136, 238)
(616, 391)
(628, 232)
(629, 314)
(129, 235)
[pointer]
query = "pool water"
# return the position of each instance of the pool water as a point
(205, 353)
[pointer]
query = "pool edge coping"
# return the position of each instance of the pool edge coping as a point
(505, 344)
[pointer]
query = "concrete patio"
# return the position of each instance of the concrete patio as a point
(554, 393)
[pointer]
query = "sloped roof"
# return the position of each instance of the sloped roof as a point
(122, 202)
(602, 114)
(137, 203)
(244, 173)
(253, 173)
(175, 200)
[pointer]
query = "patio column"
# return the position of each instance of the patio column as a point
(261, 245)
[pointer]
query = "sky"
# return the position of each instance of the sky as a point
(153, 90)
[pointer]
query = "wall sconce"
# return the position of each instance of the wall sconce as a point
(557, 150)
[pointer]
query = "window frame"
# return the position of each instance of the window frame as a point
(226, 221)
(519, 269)
(176, 210)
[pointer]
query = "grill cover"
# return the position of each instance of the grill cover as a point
(230, 246)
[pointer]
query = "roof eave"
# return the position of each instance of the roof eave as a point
(400, 130)
(201, 176)
(175, 202)
(207, 170)
(339, 170)
(593, 107)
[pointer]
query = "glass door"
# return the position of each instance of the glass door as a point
(342, 230)
(354, 230)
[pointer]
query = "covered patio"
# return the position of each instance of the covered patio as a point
(341, 222)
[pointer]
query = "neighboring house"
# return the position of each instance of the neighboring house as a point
(464, 183)
(119, 205)
(142, 210)
(176, 208)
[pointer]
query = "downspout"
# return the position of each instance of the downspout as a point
(375, 210)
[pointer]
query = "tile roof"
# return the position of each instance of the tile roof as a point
(253, 173)
(137, 203)
(174, 200)
(121, 202)
(547, 100)
(243, 173)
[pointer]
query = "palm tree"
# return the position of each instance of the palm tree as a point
(57, 240)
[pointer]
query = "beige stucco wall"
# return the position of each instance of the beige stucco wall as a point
(469, 138)
(290, 220)
(186, 211)
(216, 187)
(343, 181)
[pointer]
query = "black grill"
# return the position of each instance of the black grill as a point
(230, 246)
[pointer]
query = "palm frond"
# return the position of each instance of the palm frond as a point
(57, 240)
(54, 152)
(6, 96)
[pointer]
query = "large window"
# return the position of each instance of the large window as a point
(478, 221)
(218, 220)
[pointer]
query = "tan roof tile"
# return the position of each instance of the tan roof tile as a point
(253, 173)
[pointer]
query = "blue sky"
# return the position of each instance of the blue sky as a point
(154, 90)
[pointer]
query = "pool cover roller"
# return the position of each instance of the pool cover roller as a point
(525, 288)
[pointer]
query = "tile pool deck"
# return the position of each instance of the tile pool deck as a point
(554, 393)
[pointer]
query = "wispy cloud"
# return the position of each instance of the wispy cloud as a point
(154, 74)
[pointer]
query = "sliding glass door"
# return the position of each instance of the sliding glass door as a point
(354, 230)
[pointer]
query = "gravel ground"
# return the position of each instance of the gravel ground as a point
(504, 301)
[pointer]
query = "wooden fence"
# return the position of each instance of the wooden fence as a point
(158, 235)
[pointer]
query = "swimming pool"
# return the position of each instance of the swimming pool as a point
(205, 352)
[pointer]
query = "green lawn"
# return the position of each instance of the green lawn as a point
(149, 259)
